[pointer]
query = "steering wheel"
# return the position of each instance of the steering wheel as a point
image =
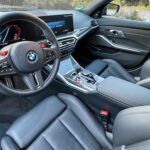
(27, 58)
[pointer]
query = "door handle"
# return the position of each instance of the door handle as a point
(116, 33)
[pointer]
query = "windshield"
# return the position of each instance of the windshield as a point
(9, 5)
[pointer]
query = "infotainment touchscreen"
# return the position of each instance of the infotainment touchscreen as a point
(60, 24)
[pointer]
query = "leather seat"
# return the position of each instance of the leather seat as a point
(108, 67)
(58, 123)
(64, 123)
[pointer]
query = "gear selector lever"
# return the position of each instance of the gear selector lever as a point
(89, 76)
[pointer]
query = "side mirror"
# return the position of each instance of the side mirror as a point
(79, 8)
(111, 9)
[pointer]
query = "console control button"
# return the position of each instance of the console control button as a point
(5, 68)
(50, 55)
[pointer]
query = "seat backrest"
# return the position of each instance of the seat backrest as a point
(145, 72)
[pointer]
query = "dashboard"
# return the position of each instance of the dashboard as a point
(69, 26)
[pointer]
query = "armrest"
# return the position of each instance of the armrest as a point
(123, 93)
(131, 126)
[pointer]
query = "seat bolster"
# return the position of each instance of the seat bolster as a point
(132, 126)
(109, 67)
(120, 71)
(145, 72)
(29, 126)
(81, 111)
(8, 144)
(97, 66)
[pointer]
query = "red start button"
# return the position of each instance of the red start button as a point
(4, 53)
(42, 45)
(104, 112)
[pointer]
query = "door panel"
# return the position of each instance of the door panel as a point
(132, 24)
(123, 40)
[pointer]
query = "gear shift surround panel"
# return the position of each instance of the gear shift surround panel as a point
(76, 77)
(84, 79)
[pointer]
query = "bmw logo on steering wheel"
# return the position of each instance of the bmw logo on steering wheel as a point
(32, 56)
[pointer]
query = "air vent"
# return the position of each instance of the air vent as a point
(66, 42)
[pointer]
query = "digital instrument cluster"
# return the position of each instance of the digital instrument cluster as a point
(10, 33)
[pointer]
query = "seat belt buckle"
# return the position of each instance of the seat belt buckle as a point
(104, 115)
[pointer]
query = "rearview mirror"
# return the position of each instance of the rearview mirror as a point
(111, 9)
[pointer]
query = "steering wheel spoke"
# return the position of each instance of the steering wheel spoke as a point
(39, 78)
(33, 80)
(29, 81)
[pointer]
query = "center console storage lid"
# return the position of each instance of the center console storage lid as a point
(124, 93)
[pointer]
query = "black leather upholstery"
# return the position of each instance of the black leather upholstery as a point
(64, 123)
(123, 93)
(108, 67)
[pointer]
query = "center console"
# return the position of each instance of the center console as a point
(113, 90)
(84, 79)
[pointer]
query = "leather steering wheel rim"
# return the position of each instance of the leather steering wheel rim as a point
(19, 16)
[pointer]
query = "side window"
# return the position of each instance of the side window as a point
(132, 9)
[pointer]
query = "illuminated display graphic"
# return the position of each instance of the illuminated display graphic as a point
(56, 24)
